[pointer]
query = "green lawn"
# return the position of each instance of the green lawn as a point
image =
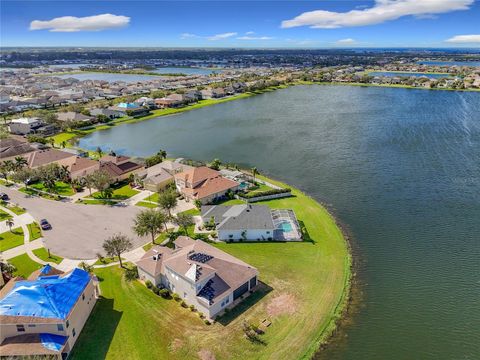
(260, 188)
(193, 212)
(34, 231)
(107, 260)
(11, 239)
(66, 136)
(122, 192)
(96, 202)
(18, 210)
(42, 253)
(146, 204)
(306, 283)
(152, 198)
(4, 216)
(158, 240)
(25, 266)
(61, 188)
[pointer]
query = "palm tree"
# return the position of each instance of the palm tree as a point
(254, 173)
(10, 224)
(63, 144)
(64, 173)
(162, 154)
(149, 222)
(99, 152)
(9, 165)
(20, 162)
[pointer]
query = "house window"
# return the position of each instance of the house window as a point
(73, 332)
(230, 236)
(83, 296)
(20, 328)
(60, 327)
(227, 301)
(268, 232)
(32, 325)
(68, 323)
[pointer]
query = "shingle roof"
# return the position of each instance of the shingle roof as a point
(47, 156)
(239, 217)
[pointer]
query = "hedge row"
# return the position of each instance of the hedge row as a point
(265, 193)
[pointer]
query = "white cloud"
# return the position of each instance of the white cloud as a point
(188, 35)
(464, 39)
(348, 41)
(250, 33)
(87, 23)
(383, 10)
(221, 36)
(254, 38)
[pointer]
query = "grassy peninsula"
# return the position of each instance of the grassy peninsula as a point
(304, 291)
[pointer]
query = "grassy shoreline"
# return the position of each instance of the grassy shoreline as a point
(314, 277)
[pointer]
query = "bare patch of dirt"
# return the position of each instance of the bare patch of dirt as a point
(205, 354)
(176, 344)
(282, 304)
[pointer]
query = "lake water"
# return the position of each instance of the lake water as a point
(185, 70)
(400, 167)
(408, 74)
(110, 77)
(450, 63)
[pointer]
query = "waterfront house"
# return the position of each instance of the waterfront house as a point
(24, 126)
(42, 317)
(129, 109)
(203, 184)
(13, 147)
(202, 275)
(111, 114)
(73, 116)
(119, 167)
(252, 223)
(49, 156)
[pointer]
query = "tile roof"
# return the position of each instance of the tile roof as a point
(205, 182)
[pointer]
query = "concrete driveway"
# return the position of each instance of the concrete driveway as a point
(78, 231)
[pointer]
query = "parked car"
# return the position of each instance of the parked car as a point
(4, 197)
(45, 225)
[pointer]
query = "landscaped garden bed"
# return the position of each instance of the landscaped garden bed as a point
(11, 239)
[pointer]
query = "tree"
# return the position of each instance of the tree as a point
(184, 220)
(89, 181)
(215, 164)
(167, 200)
(4, 171)
(149, 222)
(162, 154)
(85, 266)
(116, 245)
(63, 144)
(99, 152)
(9, 223)
(198, 204)
(6, 268)
(254, 173)
(24, 176)
(20, 162)
(102, 181)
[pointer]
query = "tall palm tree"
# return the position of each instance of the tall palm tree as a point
(20, 162)
(64, 173)
(10, 224)
(162, 154)
(254, 173)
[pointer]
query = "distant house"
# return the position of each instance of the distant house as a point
(158, 176)
(252, 223)
(111, 114)
(49, 156)
(172, 101)
(212, 93)
(203, 184)
(202, 275)
(73, 116)
(42, 317)
(129, 108)
(11, 148)
(119, 167)
(24, 126)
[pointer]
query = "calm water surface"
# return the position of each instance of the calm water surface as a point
(110, 77)
(408, 74)
(401, 167)
(185, 70)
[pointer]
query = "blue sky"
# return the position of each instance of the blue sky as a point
(300, 24)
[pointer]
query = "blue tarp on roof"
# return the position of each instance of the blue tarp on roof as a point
(53, 342)
(48, 296)
(128, 105)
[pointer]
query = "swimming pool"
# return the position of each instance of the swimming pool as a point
(286, 226)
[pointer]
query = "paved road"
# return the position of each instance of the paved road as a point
(78, 231)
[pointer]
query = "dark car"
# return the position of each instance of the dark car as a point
(45, 225)
(4, 197)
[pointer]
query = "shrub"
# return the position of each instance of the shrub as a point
(176, 297)
(207, 322)
(192, 308)
(200, 314)
(184, 304)
(265, 193)
(148, 284)
(156, 290)
(131, 273)
(165, 293)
